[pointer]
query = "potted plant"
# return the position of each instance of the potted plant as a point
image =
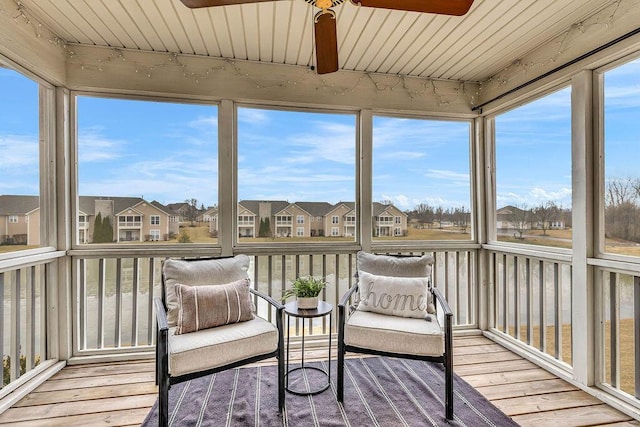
(306, 290)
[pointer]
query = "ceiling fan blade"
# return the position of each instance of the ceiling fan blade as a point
(444, 7)
(326, 43)
(194, 4)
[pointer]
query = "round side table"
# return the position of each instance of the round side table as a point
(292, 310)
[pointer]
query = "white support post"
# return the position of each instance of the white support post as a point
(227, 177)
(582, 301)
(364, 173)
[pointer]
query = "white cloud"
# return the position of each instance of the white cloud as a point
(447, 175)
(19, 152)
(94, 147)
(253, 116)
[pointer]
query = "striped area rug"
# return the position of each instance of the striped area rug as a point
(379, 391)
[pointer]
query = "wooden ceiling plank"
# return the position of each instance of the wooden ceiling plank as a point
(56, 21)
(145, 35)
(382, 40)
(250, 19)
(220, 27)
(236, 30)
(406, 41)
(191, 28)
(461, 38)
(88, 33)
(282, 17)
(300, 11)
(392, 42)
(348, 41)
(160, 27)
(209, 36)
(101, 18)
(171, 18)
(265, 30)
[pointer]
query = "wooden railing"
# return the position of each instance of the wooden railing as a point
(531, 298)
(618, 338)
(115, 293)
(23, 321)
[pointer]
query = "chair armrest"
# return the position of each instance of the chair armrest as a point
(267, 298)
(345, 298)
(442, 302)
(161, 314)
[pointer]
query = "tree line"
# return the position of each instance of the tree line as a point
(428, 215)
(622, 209)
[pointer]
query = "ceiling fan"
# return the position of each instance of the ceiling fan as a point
(325, 19)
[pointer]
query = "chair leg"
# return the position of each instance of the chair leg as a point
(448, 373)
(163, 401)
(281, 373)
(340, 393)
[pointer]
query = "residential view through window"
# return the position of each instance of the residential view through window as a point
(147, 171)
(621, 154)
(296, 176)
(421, 179)
(621, 217)
(20, 170)
(533, 172)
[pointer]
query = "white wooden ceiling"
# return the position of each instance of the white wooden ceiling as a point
(469, 48)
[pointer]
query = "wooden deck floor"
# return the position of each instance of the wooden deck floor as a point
(123, 393)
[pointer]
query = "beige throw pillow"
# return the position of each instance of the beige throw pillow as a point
(208, 306)
(199, 272)
(385, 265)
(394, 296)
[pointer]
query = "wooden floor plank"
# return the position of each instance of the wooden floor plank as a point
(573, 417)
(110, 418)
(92, 371)
(545, 402)
(79, 394)
(532, 388)
(97, 381)
(508, 377)
(487, 368)
(122, 393)
(57, 410)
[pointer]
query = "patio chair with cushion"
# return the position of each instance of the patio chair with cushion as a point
(395, 311)
(206, 323)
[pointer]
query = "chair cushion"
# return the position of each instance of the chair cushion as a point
(202, 307)
(384, 265)
(197, 273)
(394, 334)
(395, 296)
(215, 347)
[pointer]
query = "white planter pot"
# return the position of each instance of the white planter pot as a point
(307, 303)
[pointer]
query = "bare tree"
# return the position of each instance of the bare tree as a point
(620, 191)
(545, 214)
(192, 210)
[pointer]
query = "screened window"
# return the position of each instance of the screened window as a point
(20, 169)
(287, 158)
(421, 177)
(533, 172)
(621, 156)
(158, 159)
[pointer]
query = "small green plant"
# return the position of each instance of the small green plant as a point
(6, 367)
(304, 287)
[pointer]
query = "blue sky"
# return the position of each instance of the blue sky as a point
(168, 151)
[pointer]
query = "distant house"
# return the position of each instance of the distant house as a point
(130, 218)
(133, 219)
(340, 220)
(19, 220)
(513, 218)
(388, 220)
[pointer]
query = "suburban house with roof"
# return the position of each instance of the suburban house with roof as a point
(131, 219)
(19, 220)
(311, 219)
(388, 220)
